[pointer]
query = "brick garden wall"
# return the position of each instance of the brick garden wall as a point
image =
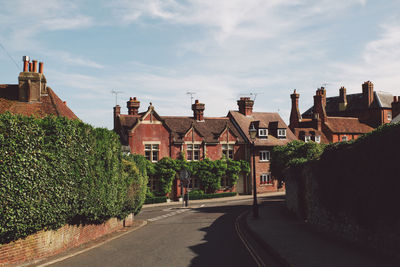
(47, 243)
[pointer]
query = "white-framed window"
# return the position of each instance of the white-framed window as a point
(262, 132)
(266, 178)
(389, 115)
(227, 150)
(264, 155)
(307, 138)
(193, 152)
(151, 152)
(281, 133)
(317, 139)
(344, 138)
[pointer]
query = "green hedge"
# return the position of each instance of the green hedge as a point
(208, 196)
(362, 178)
(153, 200)
(55, 171)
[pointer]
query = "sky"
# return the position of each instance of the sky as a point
(159, 50)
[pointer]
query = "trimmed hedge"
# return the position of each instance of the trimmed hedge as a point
(362, 178)
(208, 196)
(153, 200)
(55, 171)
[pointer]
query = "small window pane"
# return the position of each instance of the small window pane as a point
(155, 147)
(147, 147)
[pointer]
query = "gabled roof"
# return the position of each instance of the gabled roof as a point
(396, 119)
(347, 125)
(210, 129)
(267, 118)
(49, 104)
(354, 102)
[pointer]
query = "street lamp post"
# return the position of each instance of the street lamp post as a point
(253, 134)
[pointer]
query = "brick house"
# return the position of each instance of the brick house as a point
(32, 96)
(154, 136)
(341, 118)
(271, 131)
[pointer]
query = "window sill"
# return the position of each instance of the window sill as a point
(263, 161)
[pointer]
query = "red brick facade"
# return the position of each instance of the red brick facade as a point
(199, 137)
(341, 118)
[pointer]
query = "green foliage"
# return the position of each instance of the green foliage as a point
(207, 171)
(135, 168)
(208, 196)
(155, 199)
(165, 171)
(55, 171)
(294, 153)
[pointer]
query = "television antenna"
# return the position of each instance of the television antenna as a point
(325, 84)
(191, 96)
(255, 95)
(115, 92)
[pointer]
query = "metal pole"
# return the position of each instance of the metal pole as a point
(255, 205)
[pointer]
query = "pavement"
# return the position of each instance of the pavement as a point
(293, 242)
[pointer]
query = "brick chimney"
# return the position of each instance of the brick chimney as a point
(117, 112)
(395, 106)
(198, 110)
(133, 106)
(342, 99)
(320, 103)
(295, 116)
(368, 93)
(31, 84)
(245, 106)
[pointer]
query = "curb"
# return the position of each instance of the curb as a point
(263, 244)
(90, 247)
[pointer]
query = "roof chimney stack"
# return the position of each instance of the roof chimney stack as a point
(133, 106)
(342, 99)
(368, 93)
(34, 62)
(245, 106)
(320, 103)
(198, 110)
(295, 116)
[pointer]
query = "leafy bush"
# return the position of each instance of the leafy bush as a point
(214, 195)
(55, 171)
(293, 154)
(153, 200)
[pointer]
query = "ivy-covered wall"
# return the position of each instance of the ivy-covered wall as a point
(55, 171)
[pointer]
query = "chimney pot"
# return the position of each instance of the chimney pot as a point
(25, 59)
(41, 67)
(34, 65)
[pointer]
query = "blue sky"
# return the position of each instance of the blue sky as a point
(221, 49)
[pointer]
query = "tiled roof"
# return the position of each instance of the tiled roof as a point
(49, 104)
(347, 125)
(271, 119)
(396, 119)
(354, 102)
(210, 129)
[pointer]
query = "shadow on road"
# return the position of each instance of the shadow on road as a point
(222, 246)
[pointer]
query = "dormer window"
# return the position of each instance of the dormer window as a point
(317, 139)
(262, 133)
(389, 116)
(281, 133)
(307, 138)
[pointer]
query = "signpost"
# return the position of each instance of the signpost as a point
(184, 176)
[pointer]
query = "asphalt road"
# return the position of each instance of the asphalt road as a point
(204, 235)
